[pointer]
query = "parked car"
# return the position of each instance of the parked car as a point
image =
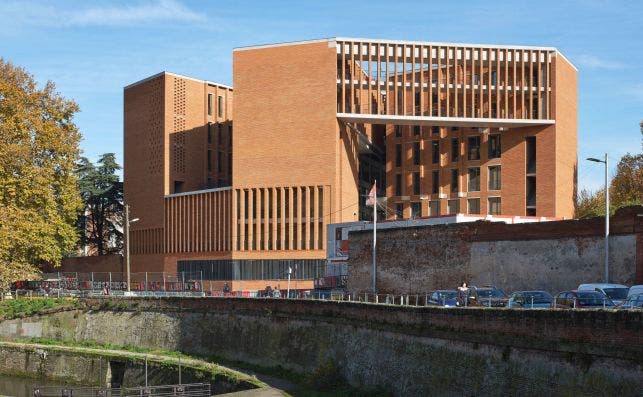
(487, 295)
(444, 298)
(582, 300)
(616, 292)
(635, 290)
(530, 300)
(633, 302)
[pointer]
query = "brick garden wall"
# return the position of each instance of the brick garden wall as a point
(551, 255)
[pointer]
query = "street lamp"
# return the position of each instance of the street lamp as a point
(607, 215)
(127, 223)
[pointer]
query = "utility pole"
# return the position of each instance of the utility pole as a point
(607, 215)
(375, 238)
(127, 246)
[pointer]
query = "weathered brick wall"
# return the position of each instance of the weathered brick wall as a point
(551, 255)
(410, 351)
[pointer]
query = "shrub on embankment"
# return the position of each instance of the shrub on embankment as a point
(17, 308)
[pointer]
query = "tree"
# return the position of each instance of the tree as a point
(39, 198)
(100, 223)
(626, 188)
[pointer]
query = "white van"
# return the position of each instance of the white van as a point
(616, 292)
(635, 290)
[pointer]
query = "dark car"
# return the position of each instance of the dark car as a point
(582, 300)
(633, 302)
(530, 300)
(487, 295)
(443, 297)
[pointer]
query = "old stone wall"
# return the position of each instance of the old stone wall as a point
(553, 256)
(406, 350)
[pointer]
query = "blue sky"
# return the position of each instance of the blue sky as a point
(92, 49)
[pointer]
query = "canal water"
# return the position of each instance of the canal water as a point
(21, 387)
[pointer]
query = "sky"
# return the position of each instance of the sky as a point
(92, 49)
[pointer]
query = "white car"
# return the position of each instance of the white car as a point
(616, 292)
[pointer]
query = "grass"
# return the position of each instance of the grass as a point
(24, 307)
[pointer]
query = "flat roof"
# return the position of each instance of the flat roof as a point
(404, 42)
(179, 76)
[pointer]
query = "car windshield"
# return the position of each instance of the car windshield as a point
(490, 293)
(538, 296)
(593, 299)
(447, 294)
(616, 293)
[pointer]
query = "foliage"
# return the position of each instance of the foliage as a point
(39, 198)
(14, 308)
(100, 222)
(626, 188)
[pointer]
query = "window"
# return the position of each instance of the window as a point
(398, 155)
(531, 212)
(220, 134)
(399, 211)
(398, 184)
(494, 205)
(473, 148)
(476, 78)
(416, 130)
(435, 130)
(416, 153)
(494, 146)
(474, 205)
(398, 131)
(416, 183)
(417, 99)
(531, 154)
(209, 104)
(453, 206)
(454, 181)
(434, 208)
(474, 179)
(220, 106)
(494, 178)
(209, 160)
(219, 162)
(494, 77)
(435, 182)
(416, 209)
(435, 152)
(455, 128)
(210, 127)
(531, 192)
(455, 149)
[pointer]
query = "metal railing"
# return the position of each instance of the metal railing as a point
(181, 390)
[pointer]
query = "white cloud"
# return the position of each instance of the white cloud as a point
(594, 62)
(151, 11)
(14, 14)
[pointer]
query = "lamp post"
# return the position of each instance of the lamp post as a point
(127, 223)
(607, 215)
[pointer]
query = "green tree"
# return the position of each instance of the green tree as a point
(39, 198)
(626, 188)
(100, 223)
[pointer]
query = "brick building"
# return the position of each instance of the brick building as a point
(443, 128)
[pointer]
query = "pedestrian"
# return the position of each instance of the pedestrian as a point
(463, 294)
(276, 293)
(267, 292)
(226, 288)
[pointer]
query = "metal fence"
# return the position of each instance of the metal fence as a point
(183, 390)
